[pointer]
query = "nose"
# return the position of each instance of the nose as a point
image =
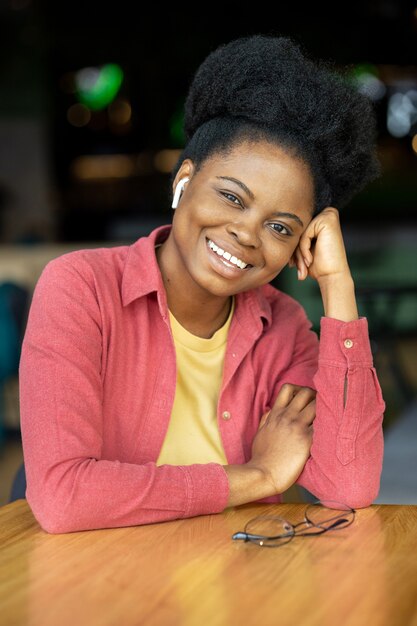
(246, 234)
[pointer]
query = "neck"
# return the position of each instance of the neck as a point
(200, 312)
(200, 327)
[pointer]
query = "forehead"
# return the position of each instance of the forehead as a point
(265, 168)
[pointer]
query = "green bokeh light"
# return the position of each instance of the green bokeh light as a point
(176, 126)
(365, 68)
(98, 87)
(361, 72)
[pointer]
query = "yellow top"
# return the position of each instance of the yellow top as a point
(193, 434)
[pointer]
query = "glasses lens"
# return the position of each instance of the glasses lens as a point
(269, 530)
(329, 515)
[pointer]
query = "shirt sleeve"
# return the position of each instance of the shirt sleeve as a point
(70, 486)
(345, 462)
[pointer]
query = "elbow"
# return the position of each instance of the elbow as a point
(52, 518)
(359, 502)
(53, 527)
(352, 501)
(54, 524)
(358, 496)
(363, 488)
(359, 492)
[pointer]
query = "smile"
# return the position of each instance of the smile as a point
(227, 256)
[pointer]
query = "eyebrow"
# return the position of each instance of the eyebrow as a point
(291, 216)
(251, 195)
(241, 185)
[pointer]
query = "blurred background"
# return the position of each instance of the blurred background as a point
(91, 109)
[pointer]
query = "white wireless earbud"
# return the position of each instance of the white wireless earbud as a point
(178, 191)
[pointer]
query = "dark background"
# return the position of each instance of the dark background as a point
(159, 48)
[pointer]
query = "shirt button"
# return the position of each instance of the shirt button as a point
(226, 415)
(348, 343)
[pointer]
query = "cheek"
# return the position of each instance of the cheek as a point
(200, 212)
(276, 262)
(279, 255)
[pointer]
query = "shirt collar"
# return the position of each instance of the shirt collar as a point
(141, 276)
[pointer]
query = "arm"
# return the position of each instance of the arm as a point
(279, 450)
(71, 486)
(347, 450)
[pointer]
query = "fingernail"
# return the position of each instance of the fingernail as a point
(306, 262)
(299, 274)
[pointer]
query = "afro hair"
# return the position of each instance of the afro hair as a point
(267, 87)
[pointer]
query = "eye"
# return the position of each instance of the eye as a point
(231, 197)
(281, 229)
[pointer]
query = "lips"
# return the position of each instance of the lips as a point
(223, 266)
(226, 252)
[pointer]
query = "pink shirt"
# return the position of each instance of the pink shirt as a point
(97, 383)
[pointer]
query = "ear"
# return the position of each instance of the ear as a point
(186, 171)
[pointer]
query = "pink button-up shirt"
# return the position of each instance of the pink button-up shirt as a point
(97, 384)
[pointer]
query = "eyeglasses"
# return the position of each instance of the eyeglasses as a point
(321, 516)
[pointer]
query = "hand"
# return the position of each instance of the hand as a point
(321, 251)
(282, 444)
(321, 254)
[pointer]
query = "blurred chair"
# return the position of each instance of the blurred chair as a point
(9, 328)
(384, 306)
(14, 302)
(18, 490)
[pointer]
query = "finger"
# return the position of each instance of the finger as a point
(285, 395)
(302, 270)
(288, 392)
(305, 247)
(303, 399)
(308, 415)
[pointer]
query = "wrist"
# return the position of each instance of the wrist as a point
(247, 483)
(338, 295)
(328, 281)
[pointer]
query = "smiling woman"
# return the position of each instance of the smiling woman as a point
(169, 378)
(230, 202)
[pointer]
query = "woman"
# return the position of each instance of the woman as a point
(168, 378)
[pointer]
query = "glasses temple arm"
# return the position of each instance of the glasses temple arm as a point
(246, 536)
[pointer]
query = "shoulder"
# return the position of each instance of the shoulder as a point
(90, 265)
(83, 273)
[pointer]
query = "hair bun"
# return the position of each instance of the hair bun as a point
(272, 84)
(238, 76)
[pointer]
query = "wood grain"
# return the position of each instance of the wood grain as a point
(189, 572)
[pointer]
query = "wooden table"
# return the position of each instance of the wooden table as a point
(191, 573)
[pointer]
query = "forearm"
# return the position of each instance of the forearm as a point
(87, 494)
(338, 295)
(346, 455)
(345, 463)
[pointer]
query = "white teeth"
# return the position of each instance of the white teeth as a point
(227, 255)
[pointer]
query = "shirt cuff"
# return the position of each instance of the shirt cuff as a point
(345, 342)
(208, 489)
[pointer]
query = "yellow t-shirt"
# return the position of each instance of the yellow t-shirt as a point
(193, 434)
